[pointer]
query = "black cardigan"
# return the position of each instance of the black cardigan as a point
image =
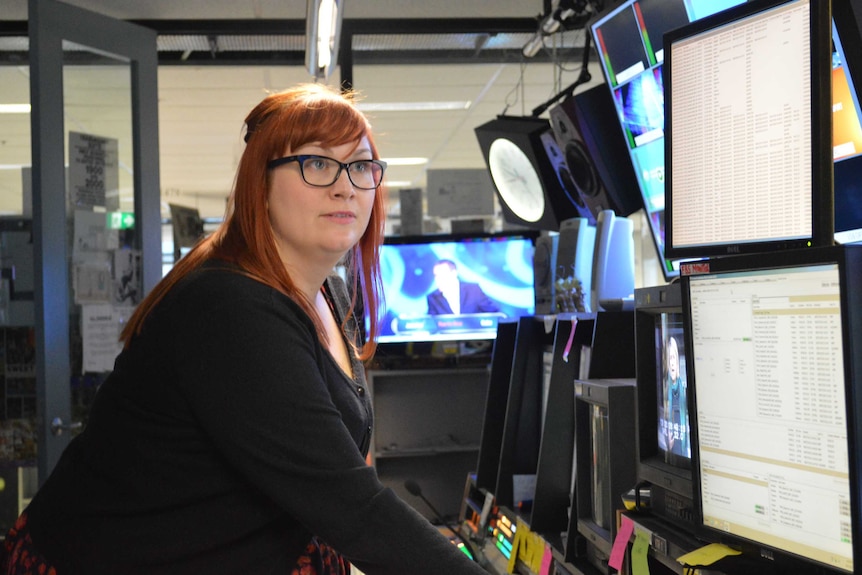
(226, 437)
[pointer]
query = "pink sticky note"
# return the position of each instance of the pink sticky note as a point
(547, 559)
(618, 551)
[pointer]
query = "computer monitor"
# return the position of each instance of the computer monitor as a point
(494, 418)
(748, 130)
(664, 438)
(775, 372)
(628, 37)
(523, 418)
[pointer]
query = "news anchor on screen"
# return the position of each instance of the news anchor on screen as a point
(454, 296)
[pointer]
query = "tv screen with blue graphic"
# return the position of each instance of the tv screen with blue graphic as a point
(629, 40)
(455, 287)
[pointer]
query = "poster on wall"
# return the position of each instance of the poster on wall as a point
(461, 192)
(94, 176)
(100, 332)
(128, 288)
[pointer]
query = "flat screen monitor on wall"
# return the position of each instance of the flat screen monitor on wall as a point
(495, 281)
(628, 38)
(846, 127)
(748, 130)
(774, 369)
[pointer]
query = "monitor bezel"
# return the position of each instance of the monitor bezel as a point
(822, 204)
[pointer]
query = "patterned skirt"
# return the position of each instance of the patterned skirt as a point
(18, 556)
(320, 559)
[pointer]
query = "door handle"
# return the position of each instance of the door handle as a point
(58, 427)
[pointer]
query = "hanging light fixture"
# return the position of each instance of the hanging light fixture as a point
(322, 34)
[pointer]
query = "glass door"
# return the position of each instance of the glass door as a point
(95, 204)
(18, 424)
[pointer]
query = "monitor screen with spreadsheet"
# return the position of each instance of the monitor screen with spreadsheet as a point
(748, 135)
(773, 372)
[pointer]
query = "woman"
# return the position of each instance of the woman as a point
(231, 435)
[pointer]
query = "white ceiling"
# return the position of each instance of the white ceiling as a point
(201, 108)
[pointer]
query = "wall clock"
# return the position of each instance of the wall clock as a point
(527, 172)
(516, 180)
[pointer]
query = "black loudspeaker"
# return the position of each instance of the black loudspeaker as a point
(526, 178)
(544, 264)
(564, 177)
(587, 129)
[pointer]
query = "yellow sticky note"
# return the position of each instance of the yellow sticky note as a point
(707, 555)
(516, 545)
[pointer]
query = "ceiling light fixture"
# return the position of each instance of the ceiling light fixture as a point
(322, 34)
(414, 106)
(399, 184)
(14, 108)
(405, 161)
(532, 47)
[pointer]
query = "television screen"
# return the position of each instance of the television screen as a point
(671, 408)
(773, 367)
(629, 38)
(664, 430)
(455, 287)
(846, 128)
(748, 130)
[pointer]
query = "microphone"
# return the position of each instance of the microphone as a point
(416, 490)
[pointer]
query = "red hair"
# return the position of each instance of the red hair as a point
(284, 121)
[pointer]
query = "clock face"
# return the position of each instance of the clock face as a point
(516, 180)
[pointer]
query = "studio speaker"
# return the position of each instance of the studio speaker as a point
(576, 204)
(613, 264)
(574, 266)
(587, 130)
(544, 264)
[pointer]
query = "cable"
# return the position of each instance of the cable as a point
(583, 77)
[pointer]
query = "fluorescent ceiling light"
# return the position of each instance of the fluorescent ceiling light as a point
(12, 166)
(322, 35)
(405, 161)
(399, 184)
(325, 33)
(14, 108)
(413, 106)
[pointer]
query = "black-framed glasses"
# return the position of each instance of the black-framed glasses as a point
(321, 171)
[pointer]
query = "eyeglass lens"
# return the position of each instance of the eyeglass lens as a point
(364, 174)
